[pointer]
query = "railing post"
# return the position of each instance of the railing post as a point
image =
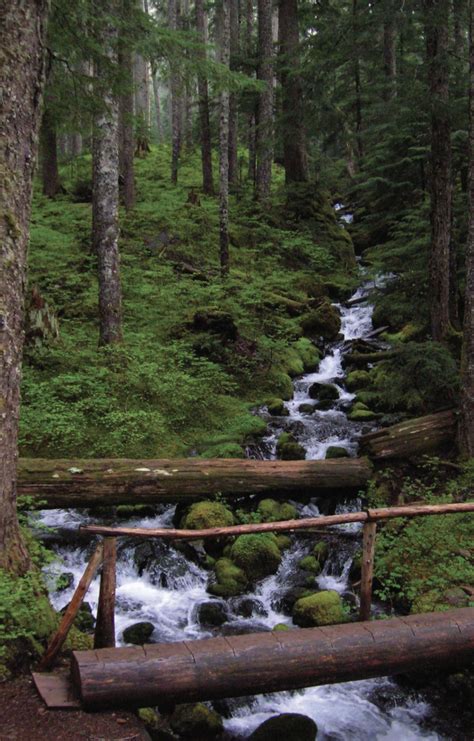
(105, 625)
(368, 551)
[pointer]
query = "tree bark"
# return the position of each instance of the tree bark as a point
(235, 666)
(156, 95)
(265, 102)
(233, 107)
(203, 96)
(224, 144)
(251, 115)
(357, 81)
(126, 136)
(175, 101)
(293, 128)
(411, 438)
(389, 50)
(466, 429)
(49, 156)
(437, 48)
(22, 70)
(105, 188)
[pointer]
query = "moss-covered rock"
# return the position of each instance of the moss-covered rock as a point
(306, 408)
(211, 614)
(322, 322)
(336, 451)
(230, 579)
(322, 608)
(281, 627)
(358, 379)
(196, 721)
(321, 551)
(288, 449)
(311, 564)
(272, 511)
(361, 413)
(202, 515)
(258, 555)
(292, 362)
(224, 450)
(286, 727)
(280, 384)
(283, 541)
(323, 392)
(138, 633)
(277, 408)
(308, 353)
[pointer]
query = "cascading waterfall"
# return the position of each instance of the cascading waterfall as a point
(167, 588)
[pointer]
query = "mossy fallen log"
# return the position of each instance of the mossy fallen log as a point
(411, 438)
(104, 482)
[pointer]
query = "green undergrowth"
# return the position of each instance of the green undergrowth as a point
(178, 384)
(422, 564)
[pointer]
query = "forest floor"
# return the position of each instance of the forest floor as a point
(24, 717)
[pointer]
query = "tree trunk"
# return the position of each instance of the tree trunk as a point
(156, 95)
(76, 144)
(126, 137)
(233, 108)
(142, 104)
(437, 48)
(293, 128)
(466, 429)
(175, 102)
(23, 26)
(251, 116)
(411, 438)
(265, 101)
(49, 156)
(224, 57)
(357, 82)
(203, 96)
(389, 51)
(105, 188)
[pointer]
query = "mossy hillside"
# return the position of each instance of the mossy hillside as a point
(171, 388)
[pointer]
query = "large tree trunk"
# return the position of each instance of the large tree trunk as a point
(357, 80)
(105, 188)
(23, 26)
(49, 156)
(251, 115)
(175, 101)
(233, 108)
(156, 95)
(389, 49)
(293, 128)
(224, 143)
(126, 137)
(437, 48)
(466, 437)
(203, 96)
(265, 101)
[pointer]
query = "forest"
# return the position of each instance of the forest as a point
(236, 289)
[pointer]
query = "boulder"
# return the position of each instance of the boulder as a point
(286, 727)
(322, 322)
(211, 614)
(196, 721)
(277, 408)
(321, 551)
(306, 408)
(311, 564)
(288, 449)
(249, 606)
(358, 379)
(258, 555)
(64, 581)
(272, 511)
(202, 515)
(84, 619)
(322, 608)
(361, 413)
(336, 451)
(230, 579)
(323, 392)
(138, 633)
(308, 353)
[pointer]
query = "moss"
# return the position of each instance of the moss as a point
(308, 353)
(310, 563)
(361, 413)
(322, 608)
(336, 451)
(323, 392)
(225, 450)
(283, 541)
(277, 407)
(321, 551)
(306, 408)
(196, 721)
(292, 362)
(288, 449)
(272, 511)
(203, 515)
(258, 555)
(281, 627)
(408, 332)
(322, 322)
(281, 384)
(231, 580)
(358, 379)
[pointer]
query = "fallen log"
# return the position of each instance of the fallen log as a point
(215, 668)
(105, 482)
(410, 438)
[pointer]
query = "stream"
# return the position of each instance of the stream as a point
(165, 586)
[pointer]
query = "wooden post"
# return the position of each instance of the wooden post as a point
(368, 550)
(105, 625)
(72, 610)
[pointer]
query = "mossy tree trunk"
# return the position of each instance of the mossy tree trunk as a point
(126, 137)
(265, 101)
(175, 100)
(293, 130)
(251, 115)
(203, 100)
(224, 143)
(49, 155)
(105, 185)
(467, 364)
(233, 107)
(437, 51)
(22, 67)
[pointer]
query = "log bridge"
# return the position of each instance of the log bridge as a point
(50, 483)
(191, 671)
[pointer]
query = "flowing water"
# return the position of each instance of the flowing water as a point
(165, 586)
